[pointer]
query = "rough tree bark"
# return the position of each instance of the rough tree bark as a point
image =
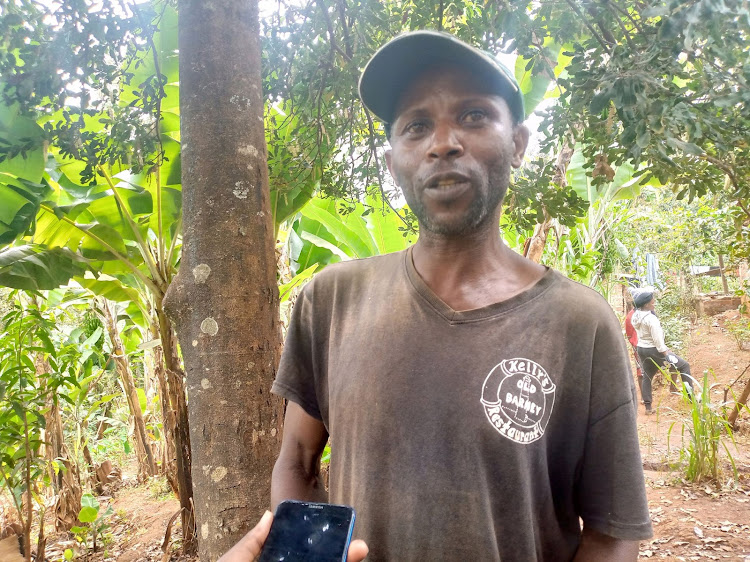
(224, 301)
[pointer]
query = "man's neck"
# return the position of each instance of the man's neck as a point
(472, 271)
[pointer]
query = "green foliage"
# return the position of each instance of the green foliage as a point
(703, 435)
(95, 523)
(26, 393)
(37, 267)
(325, 232)
(739, 329)
(534, 195)
(681, 234)
(656, 87)
(675, 308)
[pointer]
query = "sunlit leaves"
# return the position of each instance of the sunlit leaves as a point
(35, 268)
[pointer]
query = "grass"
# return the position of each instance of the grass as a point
(158, 488)
(704, 434)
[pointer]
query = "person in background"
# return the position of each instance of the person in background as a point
(652, 350)
(633, 339)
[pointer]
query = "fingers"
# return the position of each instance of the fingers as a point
(257, 535)
(357, 551)
(250, 545)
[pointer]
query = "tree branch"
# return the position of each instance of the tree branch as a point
(627, 15)
(625, 33)
(374, 152)
(578, 12)
(341, 5)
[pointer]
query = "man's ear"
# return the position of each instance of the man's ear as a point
(389, 163)
(520, 142)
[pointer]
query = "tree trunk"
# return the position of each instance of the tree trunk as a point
(224, 300)
(93, 479)
(724, 284)
(732, 419)
(168, 450)
(175, 380)
(68, 503)
(535, 247)
(54, 442)
(146, 464)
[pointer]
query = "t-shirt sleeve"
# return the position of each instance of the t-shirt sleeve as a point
(295, 379)
(611, 492)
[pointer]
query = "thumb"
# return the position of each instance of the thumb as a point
(251, 544)
(357, 551)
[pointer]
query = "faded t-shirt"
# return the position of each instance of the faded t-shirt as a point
(477, 435)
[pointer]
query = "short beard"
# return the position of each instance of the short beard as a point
(481, 210)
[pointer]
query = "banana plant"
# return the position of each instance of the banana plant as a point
(325, 232)
(583, 249)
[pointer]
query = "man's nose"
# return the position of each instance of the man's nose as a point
(445, 143)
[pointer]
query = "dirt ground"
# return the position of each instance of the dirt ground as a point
(698, 521)
(691, 521)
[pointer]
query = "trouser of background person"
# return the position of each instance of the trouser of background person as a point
(638, 371)
(652, 361)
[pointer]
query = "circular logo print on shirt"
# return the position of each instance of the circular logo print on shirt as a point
(518, 397)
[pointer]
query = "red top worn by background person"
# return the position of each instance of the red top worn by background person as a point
(629, 330)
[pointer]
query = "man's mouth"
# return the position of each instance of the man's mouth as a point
(446, 188)
(446, 184)
(446, 180)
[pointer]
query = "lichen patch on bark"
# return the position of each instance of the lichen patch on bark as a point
(210, 326)
(201, 273)
(241, 189)
(248, 150)
(219, 473)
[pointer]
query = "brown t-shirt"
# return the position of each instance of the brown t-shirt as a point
(476, 435)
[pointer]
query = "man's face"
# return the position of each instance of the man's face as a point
(452, 146)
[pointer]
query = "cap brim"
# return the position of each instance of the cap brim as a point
(399, 61)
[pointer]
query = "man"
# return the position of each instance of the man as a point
(477, 403)
(633, 339)
(652, 351)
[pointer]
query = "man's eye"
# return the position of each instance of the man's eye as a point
(415, 127)
(474, 116)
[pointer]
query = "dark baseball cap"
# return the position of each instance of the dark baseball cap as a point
(392, 68)
(642, 295)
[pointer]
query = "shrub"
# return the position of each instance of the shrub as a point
(739, 329)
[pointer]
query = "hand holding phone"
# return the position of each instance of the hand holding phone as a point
(306, 531)
(248, 548)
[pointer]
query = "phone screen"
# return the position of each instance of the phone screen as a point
(305, 531)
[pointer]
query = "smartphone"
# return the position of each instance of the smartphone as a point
(306, 531)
